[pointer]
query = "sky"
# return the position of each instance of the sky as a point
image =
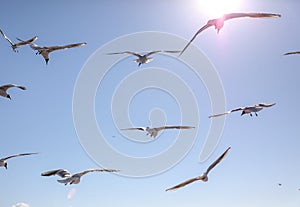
(246, 55)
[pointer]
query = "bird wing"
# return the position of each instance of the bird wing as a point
(136, 128)
(217, 161)
(171, 51)
(180, 185)
(228, 112)
(94, 170)
(292, 53)
(125, 52)
(265, 105)
(195, 35)
(60, 172)
(10, 42)
(6, 87)
(17, 155)
(252, 15)
(35, 46)
(174, 127)
(53, 48)
(153, 52)
(25, 42)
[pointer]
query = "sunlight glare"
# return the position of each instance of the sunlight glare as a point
(216, 8)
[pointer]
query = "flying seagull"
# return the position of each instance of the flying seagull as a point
(292, 53)
(14, 46)
(203, 176)
(219, 22)
(4, 88)
(3, 161)
(143, 59)
(45, 50)
(75, 178)
(247, 110)
(152, 132)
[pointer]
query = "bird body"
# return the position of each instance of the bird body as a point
(4, 88)
(246, 110)
(204, 176)
(219, 22)
(75, 178)
(14, 46)
(3, 161)
(153, 132)
(44, 51)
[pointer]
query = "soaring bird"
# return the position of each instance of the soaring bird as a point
(75, 178)
(143, 59)
(292, 53)
(45, 50)
(203, 176)
(152, 132)
(219, 22)
(246, 110)
(3, 161)
(4, 88)
(14, 46)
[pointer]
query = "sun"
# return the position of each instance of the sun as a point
(216, 8)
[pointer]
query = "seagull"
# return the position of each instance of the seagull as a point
(292, 53)
(4, 88)
(3, 161)
(203, 176)
(219, 22)
(44, 51)
(247, 110)
(143, 59)
(75, 178)
(152, 132)
(14, 46)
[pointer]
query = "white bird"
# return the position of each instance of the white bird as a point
(152, 132)
(45, 50)
(3, 161)
(246, 110)
(292, 53)
(75, 178)
(14, 46)
(143, 59)
(4, 88)
(203, 177)
(219, 22)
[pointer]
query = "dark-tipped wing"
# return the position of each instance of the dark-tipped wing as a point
(292, 53)
(18, 155)
(10, 42)
(60, 172)
(125, 52)
(174, 127)
(195, 35)
(171, 51)
(217, 161)
(135, 128)
(252, 15)
(53, 48)
(25, 42)
(228, 112)
(180, 185)
(6, 87)
(95, 170)
(266, 105)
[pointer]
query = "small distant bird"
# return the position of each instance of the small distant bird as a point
(3, 161)
(152, 132)
(279, 184)
(75, 178)
(292, 53)
(14, 46)
(247, 110)
(4, 88)
(219, 22)
(203, 177)
(143, 59)
(44, 51)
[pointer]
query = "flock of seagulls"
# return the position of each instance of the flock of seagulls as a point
(44, 51)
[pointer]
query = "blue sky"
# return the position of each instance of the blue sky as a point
(248, 56)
